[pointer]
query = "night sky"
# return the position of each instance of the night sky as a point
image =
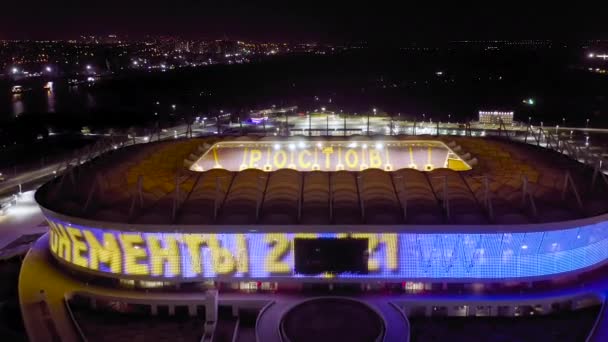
(289, 20)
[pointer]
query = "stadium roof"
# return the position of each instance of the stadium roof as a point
(510, 183)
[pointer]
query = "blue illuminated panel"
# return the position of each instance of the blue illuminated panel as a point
(267, 255)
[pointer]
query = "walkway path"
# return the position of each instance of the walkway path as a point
(21, 219)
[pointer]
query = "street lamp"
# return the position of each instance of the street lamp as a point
(563, 121)
(529, 120)
(14, 70)
(48, 69)
(587, 123)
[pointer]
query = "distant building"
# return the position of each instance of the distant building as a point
(494, 117)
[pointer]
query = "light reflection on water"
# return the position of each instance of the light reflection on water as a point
(48, 97)
(17, 105)
(22, 102)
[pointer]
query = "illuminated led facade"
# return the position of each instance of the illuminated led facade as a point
(396, 255)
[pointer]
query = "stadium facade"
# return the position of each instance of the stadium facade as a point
(225, 217)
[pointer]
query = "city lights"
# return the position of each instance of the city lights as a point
(595, 55)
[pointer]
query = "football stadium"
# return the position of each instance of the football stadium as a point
(361, 238)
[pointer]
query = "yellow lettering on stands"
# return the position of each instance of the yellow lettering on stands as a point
(375, 160)
(351, 158)
(279, 163)
(107, 253)
(160, 255)
(304, 164)
(132, 246)
(274, 260)
(245, 156)
(78, 246)
(254, 157)
(328, 151)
